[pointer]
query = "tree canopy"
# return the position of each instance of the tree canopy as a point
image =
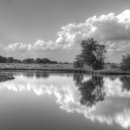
(92, 53)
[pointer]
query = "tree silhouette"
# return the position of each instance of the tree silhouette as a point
(92, 53)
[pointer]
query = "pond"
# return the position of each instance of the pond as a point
(57, 101)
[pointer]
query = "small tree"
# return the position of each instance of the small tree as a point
(79, 62)
(93, 54)
(125, 63)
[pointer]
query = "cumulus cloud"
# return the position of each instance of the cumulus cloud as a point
(111, 30)
(18, 46)
(37, 46)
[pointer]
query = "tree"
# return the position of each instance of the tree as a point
(3, 59)
(10, 60)
(45, 60)
(28, 60)
(125, 63)
(93, 54)
(38, 60)
(79, 62)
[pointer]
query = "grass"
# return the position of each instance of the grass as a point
(59, 68)
(38, 66)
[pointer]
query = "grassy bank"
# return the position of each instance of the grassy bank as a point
(59, 68)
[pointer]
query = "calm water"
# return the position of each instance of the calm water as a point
(48, 101)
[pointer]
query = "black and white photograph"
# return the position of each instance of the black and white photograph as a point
(64, 64)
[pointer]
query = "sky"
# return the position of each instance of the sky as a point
(54, 29)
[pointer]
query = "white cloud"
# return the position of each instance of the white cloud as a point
(37, 46)
(18, 46)
(111, 30)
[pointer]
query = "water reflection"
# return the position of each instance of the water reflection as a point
(29, 74)
(125, 83)
(97, 98)
(92, 91)
(78, 78)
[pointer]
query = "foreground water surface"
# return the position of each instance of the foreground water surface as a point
(50, 101)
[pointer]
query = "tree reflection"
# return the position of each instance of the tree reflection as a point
(92, 90)
(42, 75)
(36, 74)
(112, 78)
(125, 83)
(6, 77)
(78, 78)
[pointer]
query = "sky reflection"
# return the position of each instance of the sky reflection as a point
(113, 108)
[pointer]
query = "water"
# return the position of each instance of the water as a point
(49, 101)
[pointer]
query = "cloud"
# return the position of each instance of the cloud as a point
(111, 30)
(39, 45)
(18, 46)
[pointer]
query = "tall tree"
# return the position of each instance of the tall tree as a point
(93, 54)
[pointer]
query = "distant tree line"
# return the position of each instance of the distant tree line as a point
(29, 61)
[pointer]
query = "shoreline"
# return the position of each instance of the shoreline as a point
(102, 72)
(63, 68)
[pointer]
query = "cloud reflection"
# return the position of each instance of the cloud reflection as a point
(114, 109)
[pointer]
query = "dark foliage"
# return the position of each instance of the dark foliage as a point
(78, 63)
(27, 61)
(125, 63)
(92, 90)
(93, 54)
(78, 79)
